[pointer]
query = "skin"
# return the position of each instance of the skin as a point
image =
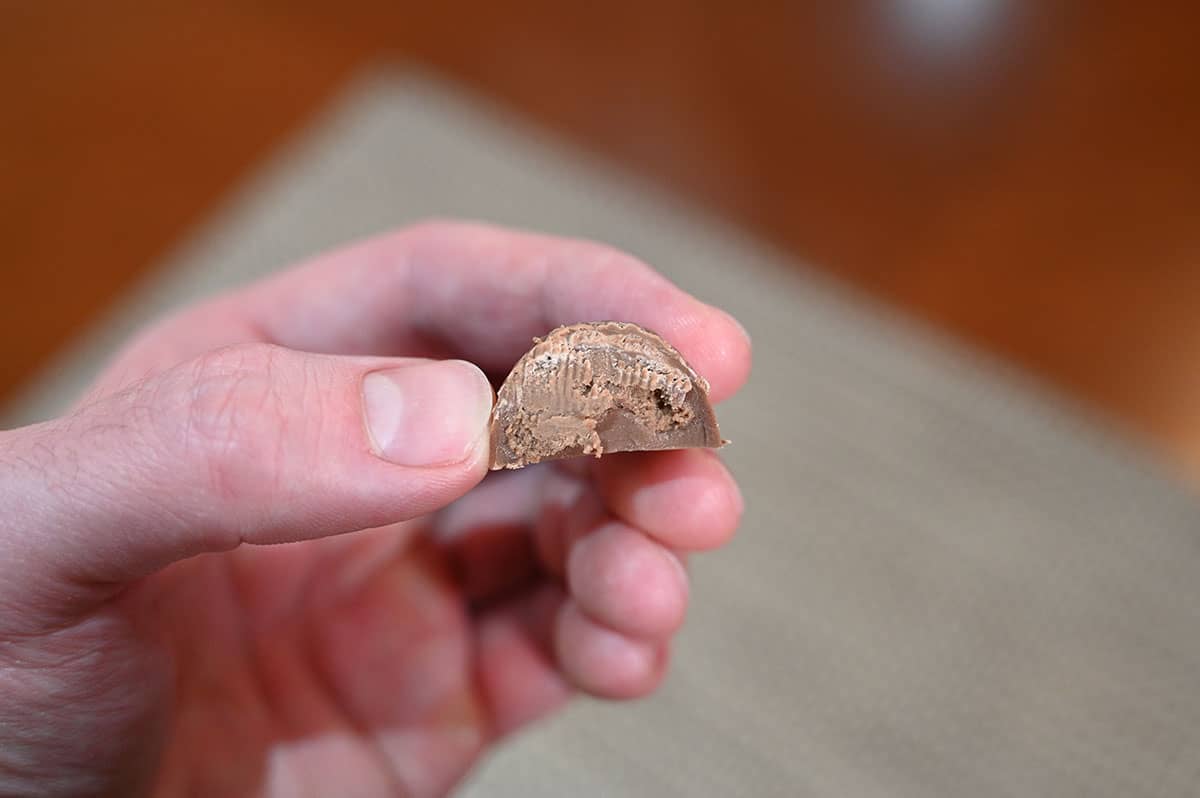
(151, 642)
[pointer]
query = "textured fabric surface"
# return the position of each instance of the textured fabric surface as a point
(949, 583)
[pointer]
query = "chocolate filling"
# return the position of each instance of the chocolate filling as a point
(595, 388)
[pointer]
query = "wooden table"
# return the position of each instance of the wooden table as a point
(1027, 178)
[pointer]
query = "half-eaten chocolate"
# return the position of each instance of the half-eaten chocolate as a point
(596, 388)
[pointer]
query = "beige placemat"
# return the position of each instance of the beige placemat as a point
(947, 584)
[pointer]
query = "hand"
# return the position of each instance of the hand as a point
(151, 642)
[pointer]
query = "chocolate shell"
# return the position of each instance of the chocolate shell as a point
(597, 388)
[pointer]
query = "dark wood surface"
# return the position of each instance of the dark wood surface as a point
(1030, 182)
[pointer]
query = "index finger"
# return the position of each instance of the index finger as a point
(472, 291)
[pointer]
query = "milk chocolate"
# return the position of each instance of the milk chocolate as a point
(596, 388)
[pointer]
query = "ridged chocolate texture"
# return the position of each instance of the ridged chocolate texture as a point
(596, 388)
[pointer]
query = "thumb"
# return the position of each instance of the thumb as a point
(248, 444)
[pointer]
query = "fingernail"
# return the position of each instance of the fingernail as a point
(427, 414)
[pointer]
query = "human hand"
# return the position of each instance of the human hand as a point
(151, 642)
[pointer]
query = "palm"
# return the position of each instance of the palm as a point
(355, 658)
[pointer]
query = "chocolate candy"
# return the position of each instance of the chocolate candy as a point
(596, 388)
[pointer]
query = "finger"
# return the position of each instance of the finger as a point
(466, 290)
(571, 508)
(514, 524)
(250, 444)
(686, 499)
(619, 577)
(519, 677)
(396, 655)
(486, 538)
(628, 583)
(605, 663)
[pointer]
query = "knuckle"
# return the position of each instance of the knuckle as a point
(234, 421)
(429, 226)
(419, 236)
(236, 359)
(608, 258)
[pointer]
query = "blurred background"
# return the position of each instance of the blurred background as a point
(1024, 175)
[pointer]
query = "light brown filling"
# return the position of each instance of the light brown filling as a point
(540, 434)
(596, 388)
